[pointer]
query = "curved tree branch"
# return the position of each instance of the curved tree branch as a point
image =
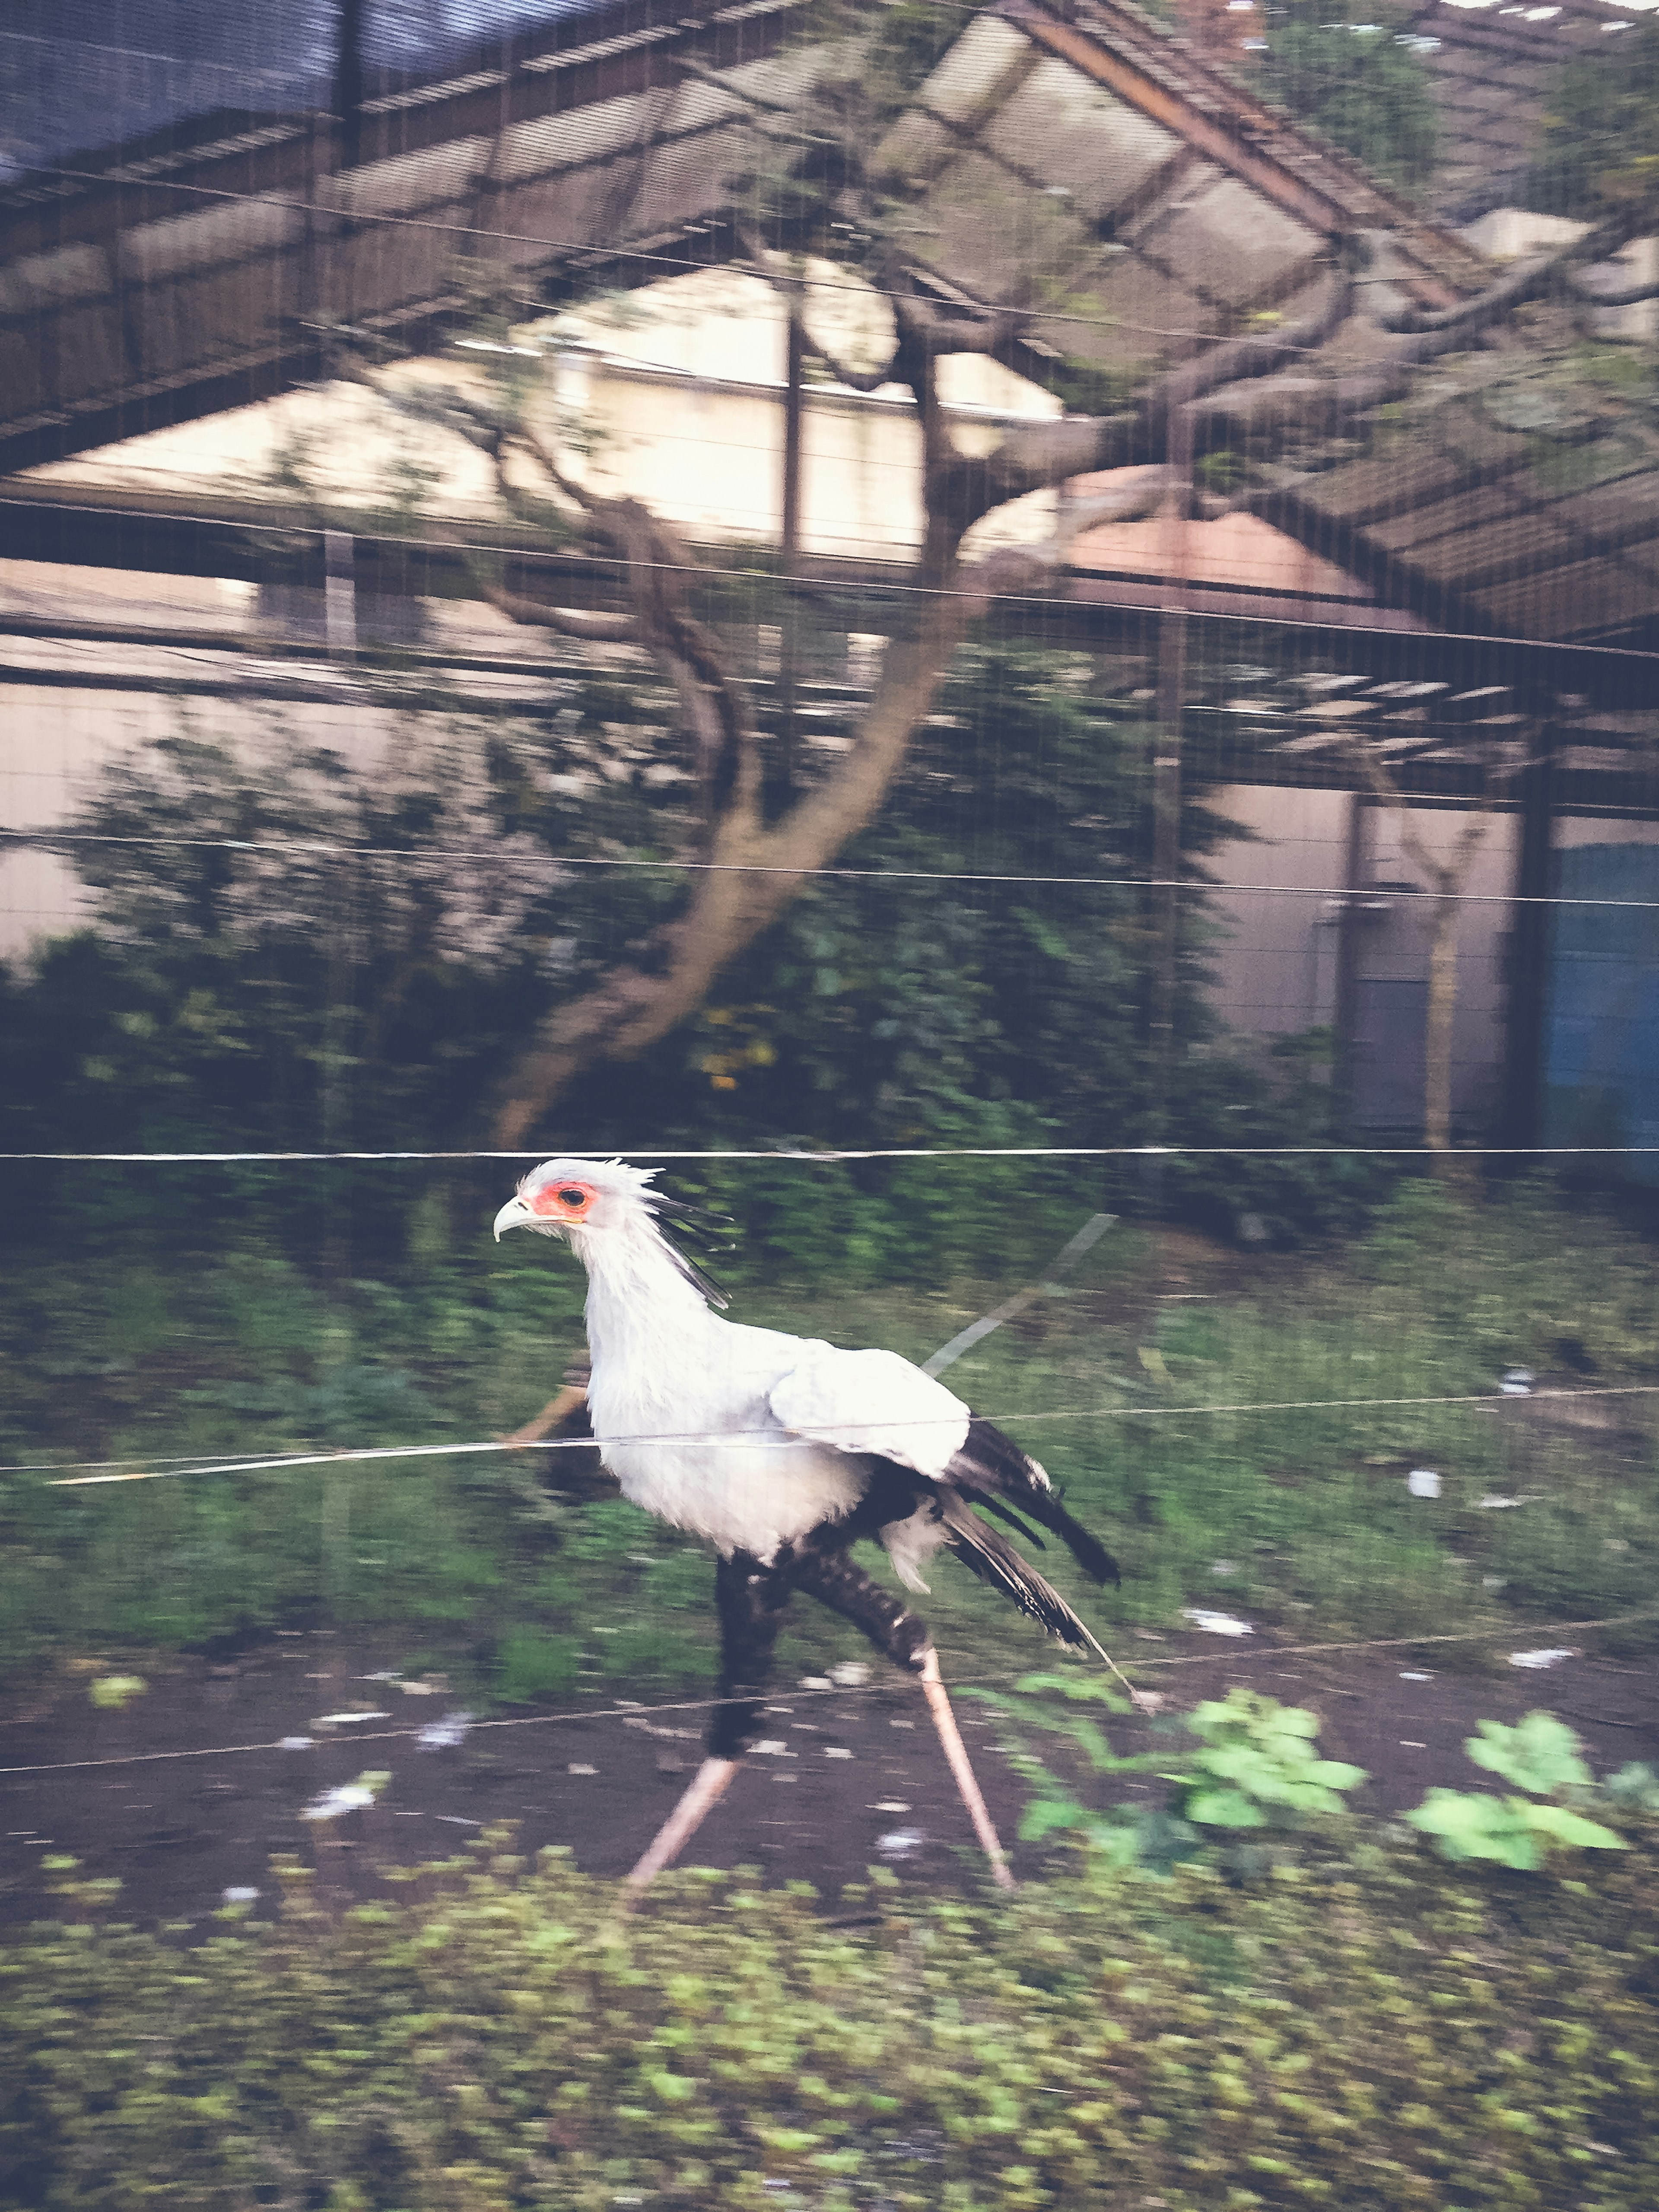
(1037, 456)
(750, 873)
(1631, 296)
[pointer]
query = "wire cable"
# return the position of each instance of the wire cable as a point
(831, 1156)
(47, 840)
(637, 1713)
(774, 1440)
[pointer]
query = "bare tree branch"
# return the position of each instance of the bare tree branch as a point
(1631, 296)
(1035, 456)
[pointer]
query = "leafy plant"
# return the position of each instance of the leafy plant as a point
(114, 1691)
(1541, 1756)
(1361, 82)
(1258, 1767)
(493, 2034)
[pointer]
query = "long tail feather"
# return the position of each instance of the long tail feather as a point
(995, 1560)
(992, 1468)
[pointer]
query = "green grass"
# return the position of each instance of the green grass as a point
(1365, 2028)
(1300, 1517)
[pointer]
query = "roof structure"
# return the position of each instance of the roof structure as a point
(1491, 64)
(159, 283)
(1072, 143)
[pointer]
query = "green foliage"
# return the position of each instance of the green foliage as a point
(1361, 82)
(1257, 1767)
(112, 1691)
(1636, 1785)
(530, 1665)
(195, 1334)
(1599, 146)
(297, 953)
(1254, 1767)
(1120, 1837)
(1477, 1272)
(495, 2037)
(1539, 1755)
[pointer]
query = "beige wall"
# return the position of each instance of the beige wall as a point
(678, 395)
(1275, 962)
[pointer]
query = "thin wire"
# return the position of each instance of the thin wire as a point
(831, 1155)
(802, 1438)
(898, 587)
(45, 839)
(626, 1713)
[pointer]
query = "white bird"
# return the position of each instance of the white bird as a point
(783, 1451)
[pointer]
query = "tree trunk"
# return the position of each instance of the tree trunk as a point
(1438, 1032)
(750, 876)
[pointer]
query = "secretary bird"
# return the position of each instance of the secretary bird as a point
(783, 1451)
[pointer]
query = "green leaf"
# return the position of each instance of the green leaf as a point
(1539, 1753)
(1467, 1823)
(1224, 1809)
(1043, 1814)
(674, 2088)
(1568, 1827)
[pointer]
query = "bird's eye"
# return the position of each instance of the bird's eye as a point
(573, 1195)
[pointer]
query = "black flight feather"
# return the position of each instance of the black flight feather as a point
(991, 1466)
(704, 1284)
(995, 1561)
(1010, 1520)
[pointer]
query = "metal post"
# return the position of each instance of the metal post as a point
(1164, 901)
(339, 592)
(789, 536)
(348, 97)
(1356, 870)
(1528, 976)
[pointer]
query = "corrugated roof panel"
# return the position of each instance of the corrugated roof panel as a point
(1470, 505)
(1144, 317)
(1227, 242)
(207, 235)
(249, 298)
(1590, 598)
(1492, 551)
(1074, 135)
(562, 140)
(43, 280)
(408, 183)
(681, 181)
(980, 68)
(993, 235)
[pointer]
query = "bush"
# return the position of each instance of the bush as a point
(1383, 2036)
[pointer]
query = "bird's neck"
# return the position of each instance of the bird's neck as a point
(638, 1301)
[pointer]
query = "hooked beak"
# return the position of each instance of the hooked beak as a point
(516, 1214)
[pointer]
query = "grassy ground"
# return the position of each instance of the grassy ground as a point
(1299, 1514)
(1364, 2028)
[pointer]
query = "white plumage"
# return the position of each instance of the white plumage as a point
(780, 1451)
(749, 1438)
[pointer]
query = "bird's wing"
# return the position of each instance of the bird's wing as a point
(992, 1472)
(871, 1402)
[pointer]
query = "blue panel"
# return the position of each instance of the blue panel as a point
(1601, 1059)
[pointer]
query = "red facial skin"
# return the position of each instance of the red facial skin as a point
(561, 1201)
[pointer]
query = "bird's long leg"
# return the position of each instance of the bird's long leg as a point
(831, 1578)
(956, 1751)
(751, 1599)
(708, 1785)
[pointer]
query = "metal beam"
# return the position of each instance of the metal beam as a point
(1242, 135)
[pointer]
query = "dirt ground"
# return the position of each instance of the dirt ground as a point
(855, 1776)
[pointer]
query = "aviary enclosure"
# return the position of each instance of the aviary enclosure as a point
(1016, 645)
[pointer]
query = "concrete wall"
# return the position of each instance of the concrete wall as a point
(1276, 963)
